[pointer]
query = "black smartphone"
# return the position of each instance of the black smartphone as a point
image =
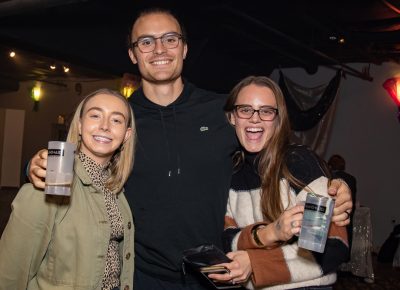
(217, 270)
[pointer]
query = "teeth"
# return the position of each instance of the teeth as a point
(102, 139)
(160, 62)
(254, 130)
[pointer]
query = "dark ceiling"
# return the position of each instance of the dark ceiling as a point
(227, 39)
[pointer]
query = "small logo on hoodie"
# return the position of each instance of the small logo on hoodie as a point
(203, 128)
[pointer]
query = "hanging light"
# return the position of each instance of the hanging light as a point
(36, 94)
(392, 86)
(66, 69)
(12, 54)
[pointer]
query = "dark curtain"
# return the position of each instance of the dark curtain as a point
(311, 110)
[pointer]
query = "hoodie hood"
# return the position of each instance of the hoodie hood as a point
(138, 98)
(167, 117)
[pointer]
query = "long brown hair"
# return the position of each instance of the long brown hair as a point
(272, 166)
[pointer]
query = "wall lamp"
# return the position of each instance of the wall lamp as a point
(392, 86)
(129, 83)
(36, 95)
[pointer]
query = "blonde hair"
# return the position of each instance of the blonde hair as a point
(272, 158)
(123, 158)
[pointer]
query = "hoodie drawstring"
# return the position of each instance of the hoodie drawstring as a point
(178, 159)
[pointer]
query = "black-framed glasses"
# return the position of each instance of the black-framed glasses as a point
(148, 43)
(266, 113)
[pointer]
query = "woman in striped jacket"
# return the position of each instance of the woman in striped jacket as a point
(263, 215)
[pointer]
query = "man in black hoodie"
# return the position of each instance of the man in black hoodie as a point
(179, 185)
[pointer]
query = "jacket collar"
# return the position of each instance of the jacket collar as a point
(80, 171)
(83, 176)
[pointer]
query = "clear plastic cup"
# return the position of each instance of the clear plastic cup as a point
(60, 168)
(317, 216)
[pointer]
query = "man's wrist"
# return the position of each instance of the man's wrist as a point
(343, 181)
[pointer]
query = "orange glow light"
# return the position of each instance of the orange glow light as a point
(392, 86)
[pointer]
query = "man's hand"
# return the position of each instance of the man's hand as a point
(37, 169)
(340, 191)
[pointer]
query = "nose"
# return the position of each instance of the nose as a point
(159, 46)
(255, 118)
(104, 126)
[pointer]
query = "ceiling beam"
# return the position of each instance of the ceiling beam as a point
(347, 69)
(14, 7)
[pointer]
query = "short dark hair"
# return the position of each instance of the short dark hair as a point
(156, 10)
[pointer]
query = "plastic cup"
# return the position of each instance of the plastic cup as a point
(317, 216)
(60, 168)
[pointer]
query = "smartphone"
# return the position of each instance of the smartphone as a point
(214, 269)
(218, 270)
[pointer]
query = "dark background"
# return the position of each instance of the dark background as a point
(227, 39)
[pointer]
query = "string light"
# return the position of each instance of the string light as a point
(52, 65)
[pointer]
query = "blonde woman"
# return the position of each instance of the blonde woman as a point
(84, 241)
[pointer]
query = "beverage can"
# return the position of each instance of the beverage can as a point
(317, 216)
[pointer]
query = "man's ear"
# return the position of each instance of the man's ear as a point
(132, 56)
(185, 50)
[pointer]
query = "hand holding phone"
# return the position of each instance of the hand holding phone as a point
(218, 269)
(207, 259)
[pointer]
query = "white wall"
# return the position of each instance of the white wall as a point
(13, 130)
(366, 133)
(56, 100)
